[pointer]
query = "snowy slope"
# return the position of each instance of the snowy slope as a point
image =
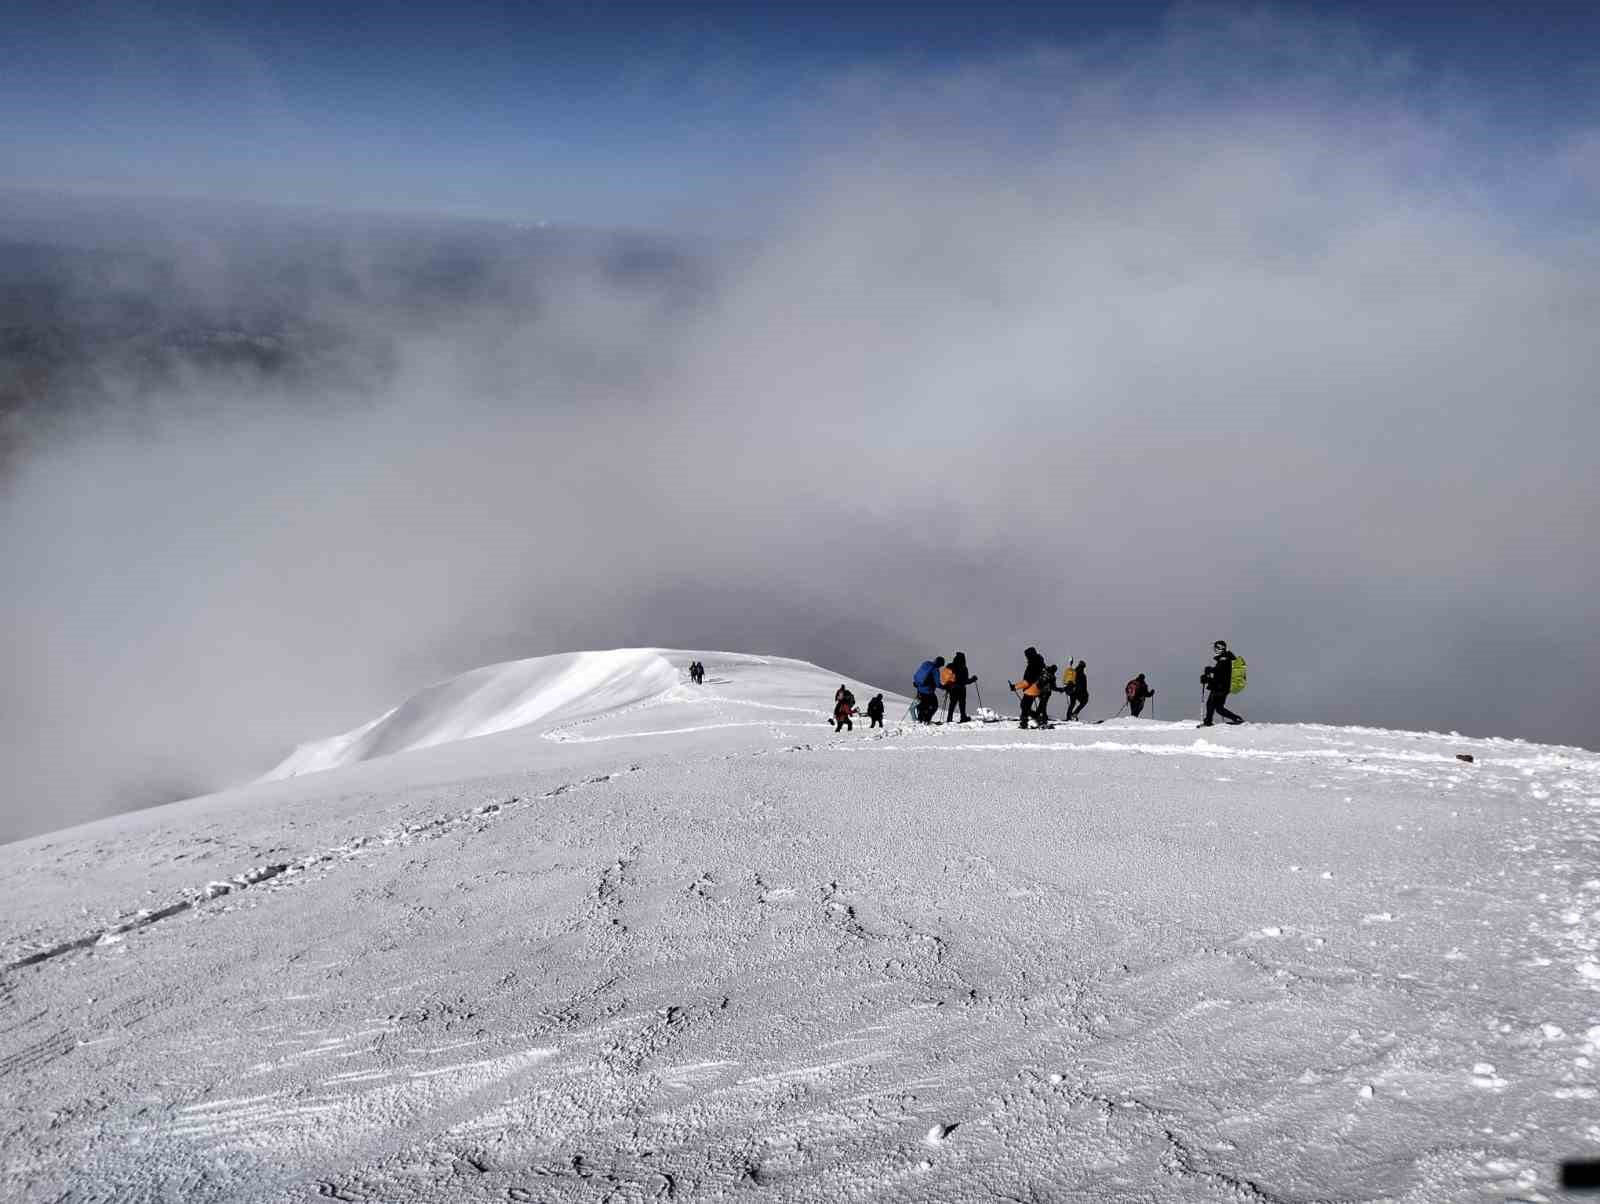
(496, 699)
(665, 943)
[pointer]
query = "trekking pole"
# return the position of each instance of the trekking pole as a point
(1022, 701)
(979, 693)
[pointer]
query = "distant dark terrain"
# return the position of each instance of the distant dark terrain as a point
(106, 303)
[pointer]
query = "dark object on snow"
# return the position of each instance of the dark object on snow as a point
(1136, 692)
(1467, 757)
(1218, 681)
(955, 680)
(926, 681)
(844, 705)
(875, 711)
(1047, 687)
(1580, 1174)
(697, 672)
(1028, 688)
(1079, 692)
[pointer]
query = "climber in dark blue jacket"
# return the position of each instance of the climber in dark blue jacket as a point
(926, 681)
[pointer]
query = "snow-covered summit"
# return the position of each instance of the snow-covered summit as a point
(496, 698)
(551, 693)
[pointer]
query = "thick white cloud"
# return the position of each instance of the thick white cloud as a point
(1111, 350)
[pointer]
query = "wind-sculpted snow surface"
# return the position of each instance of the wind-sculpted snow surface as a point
(496, 699)
(691, 945)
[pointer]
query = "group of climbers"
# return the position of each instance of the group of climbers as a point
(844, 706)
(1039, 683)
(1224, 676)
(697, 673)
(953, 678)
(1035, 689)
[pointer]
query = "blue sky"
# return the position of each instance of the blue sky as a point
(625, 113)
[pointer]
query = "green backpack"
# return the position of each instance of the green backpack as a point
(1236, 683)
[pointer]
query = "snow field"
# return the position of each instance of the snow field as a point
(695, 946)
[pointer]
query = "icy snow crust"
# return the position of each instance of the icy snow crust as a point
(657, 942)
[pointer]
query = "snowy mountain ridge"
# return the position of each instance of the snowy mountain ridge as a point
(551, 694)
(495, 698)
(570, 927)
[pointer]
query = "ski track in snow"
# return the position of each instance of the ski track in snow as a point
(409, 833)
(758, 957)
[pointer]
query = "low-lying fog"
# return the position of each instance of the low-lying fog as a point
(1098, 354)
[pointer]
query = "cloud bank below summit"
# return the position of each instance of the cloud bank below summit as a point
(1248, 332)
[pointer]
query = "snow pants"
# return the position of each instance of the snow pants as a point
(1217, 704)
(1028, 701)
(877, 721)
(955, 696)
(1075, 707)
(927, 707)
(1136, 707)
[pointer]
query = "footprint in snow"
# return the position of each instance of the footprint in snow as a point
(940, 1133)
